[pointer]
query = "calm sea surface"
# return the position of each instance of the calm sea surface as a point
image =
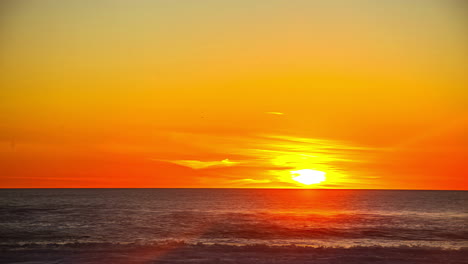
(235, 216)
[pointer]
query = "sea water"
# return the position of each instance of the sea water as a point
(317, 218)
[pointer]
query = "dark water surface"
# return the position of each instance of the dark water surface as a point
(336, 218)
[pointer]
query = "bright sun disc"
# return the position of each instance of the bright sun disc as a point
(308, 177)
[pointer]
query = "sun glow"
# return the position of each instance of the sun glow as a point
(308, 177)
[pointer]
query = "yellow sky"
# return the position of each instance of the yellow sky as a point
(233, 93)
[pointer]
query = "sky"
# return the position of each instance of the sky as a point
(233, 94)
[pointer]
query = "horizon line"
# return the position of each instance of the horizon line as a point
(230, 188)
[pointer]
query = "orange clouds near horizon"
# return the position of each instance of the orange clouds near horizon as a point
(233, 94)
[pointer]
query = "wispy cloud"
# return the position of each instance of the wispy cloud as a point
(274, 113)
(263, 160)
(251, 181)
(278, 155)
(198, 164)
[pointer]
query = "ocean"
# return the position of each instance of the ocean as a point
(51, 218)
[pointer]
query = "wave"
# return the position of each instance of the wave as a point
(272, 231)
(226, 246)
(239, 227)
(183, 252)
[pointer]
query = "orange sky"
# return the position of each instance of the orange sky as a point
(233, 93)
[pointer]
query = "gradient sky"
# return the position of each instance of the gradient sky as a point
(163, 93)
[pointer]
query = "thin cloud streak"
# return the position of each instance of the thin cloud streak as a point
(198, 164)
(269, 159)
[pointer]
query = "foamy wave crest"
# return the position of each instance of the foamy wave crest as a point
(224, 246)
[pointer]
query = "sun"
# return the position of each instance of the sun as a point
(308, 177)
